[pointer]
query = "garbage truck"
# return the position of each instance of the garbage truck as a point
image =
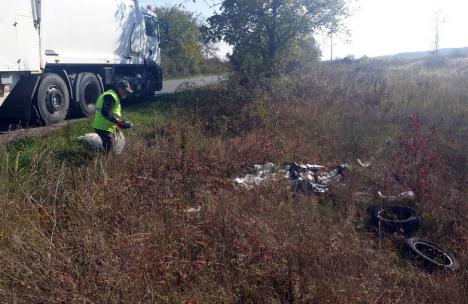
(58, 56)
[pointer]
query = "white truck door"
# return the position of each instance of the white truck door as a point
(20, 49)
(152, 39)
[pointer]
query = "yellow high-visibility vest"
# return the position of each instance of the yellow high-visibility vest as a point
(101, 122)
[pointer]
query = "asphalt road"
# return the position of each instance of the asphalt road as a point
(10, 130)
(171, 86)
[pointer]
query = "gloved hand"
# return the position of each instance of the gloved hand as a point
(124, 124)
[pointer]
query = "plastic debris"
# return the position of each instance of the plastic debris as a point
(404, 196)
(363, 164)
(260, 174)
(305, 178)
(313, 178)
(119, 144)
(194, 210)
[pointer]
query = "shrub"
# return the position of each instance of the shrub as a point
(418, 157)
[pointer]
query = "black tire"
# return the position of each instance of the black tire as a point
(396, 219)
(159, 79)
(53, 99)
(429, 255)
(149, 90)
(87, 93)
(154, 82)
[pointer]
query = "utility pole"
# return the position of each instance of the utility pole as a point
(437, 32)
(333, 29)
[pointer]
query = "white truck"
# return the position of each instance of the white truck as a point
(58, 56)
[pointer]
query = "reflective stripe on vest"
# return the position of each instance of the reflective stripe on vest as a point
(101, 122)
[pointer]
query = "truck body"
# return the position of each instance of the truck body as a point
(58, 56)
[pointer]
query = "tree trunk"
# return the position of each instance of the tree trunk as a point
(272, 41)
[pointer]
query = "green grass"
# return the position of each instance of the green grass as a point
(19, 157)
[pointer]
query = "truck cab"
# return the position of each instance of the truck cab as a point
(152, 50)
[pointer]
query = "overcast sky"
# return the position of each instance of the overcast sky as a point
(382, 27)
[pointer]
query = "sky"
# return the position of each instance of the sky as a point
(380, 27)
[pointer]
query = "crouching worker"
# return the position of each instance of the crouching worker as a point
(107, 120)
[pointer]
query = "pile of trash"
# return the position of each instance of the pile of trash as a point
(260, 174)
(393, 219)
(305, 178)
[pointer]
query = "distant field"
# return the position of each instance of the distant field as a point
(80, 227)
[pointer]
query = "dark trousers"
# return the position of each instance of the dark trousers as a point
(108, 140)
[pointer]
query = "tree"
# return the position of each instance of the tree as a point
(265, 34)
(180, 45)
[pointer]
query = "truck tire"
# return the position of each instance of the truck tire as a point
(88, 90)
(149, 91)
(429, 255)
(53, 99)
(396, 219)
(154, 82)
(159, 79)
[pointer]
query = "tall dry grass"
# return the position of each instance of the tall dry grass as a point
(117, 230)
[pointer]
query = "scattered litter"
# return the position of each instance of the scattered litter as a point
(93, 141)
(363, 164)
(259, 175)
(404, 196)
(313, 178)
(306, 178)
(194, 210)
(363, 194)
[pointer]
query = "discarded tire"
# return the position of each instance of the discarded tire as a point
(429, 255)
(396, 219)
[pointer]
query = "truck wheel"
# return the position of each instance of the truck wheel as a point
(53, 99)
(159, 79)
(149, 91)
(88, 91)
(154, 79)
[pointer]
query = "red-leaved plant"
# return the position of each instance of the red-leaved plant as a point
(417, 157)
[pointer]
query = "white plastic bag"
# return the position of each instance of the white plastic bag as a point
(93, 141)
(119, 143)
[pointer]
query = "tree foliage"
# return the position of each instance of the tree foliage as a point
(267, 35)
(185, 51)
(180, 44)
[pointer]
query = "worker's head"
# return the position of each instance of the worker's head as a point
(123, 88)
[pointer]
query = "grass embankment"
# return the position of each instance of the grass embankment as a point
(77, 227)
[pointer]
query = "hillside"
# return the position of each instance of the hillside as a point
(446, 52)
